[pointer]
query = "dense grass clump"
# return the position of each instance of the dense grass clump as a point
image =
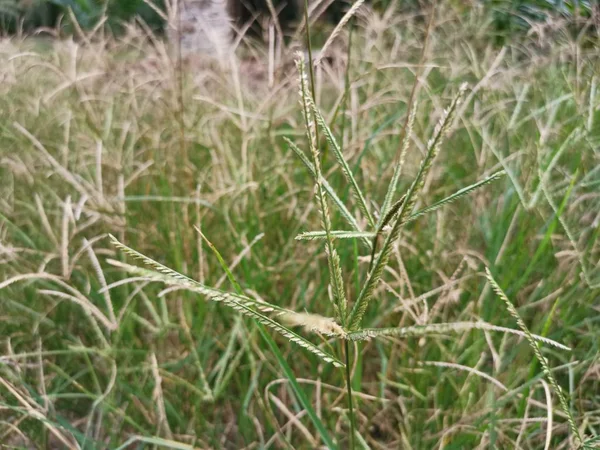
(303, 275)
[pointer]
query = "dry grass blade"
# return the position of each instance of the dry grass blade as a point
(336, 31)
(471, 370)
(75, 296)
(592, 284)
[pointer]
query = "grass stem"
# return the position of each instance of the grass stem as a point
(349, 386)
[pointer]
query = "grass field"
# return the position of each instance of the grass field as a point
(111, 136)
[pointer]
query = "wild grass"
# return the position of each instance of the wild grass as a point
(252, 285)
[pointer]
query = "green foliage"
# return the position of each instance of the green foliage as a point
(47, 13)
(517, 16)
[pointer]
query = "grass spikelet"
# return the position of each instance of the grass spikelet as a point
(337, 151)
(538, 354)
(458, 194)
(328, 189)
(337, 30)
(444, 328)
(393, 210)
(375, 273)
(336, 234)
(230, 300)
(398, 167)
(313, 323)
(213, 294)
(333, 260)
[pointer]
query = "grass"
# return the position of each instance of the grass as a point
(95, 354)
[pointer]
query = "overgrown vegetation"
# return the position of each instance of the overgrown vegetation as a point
(511, 18)
(97, 354)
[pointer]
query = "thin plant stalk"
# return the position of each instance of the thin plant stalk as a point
(311, 71)
(181, 112)
(346, 84)
(343, 126)
(349, 386)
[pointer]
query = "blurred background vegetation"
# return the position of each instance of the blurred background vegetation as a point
(511, 17)
(29, 15)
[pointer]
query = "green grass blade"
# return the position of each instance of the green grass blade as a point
(547, 240)
(569, 232)
(300, 395)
